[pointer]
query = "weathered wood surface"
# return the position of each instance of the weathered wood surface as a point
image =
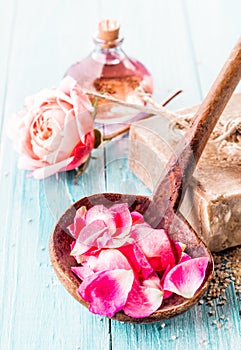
(38, 41)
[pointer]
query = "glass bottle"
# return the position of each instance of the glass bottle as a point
(108, 70)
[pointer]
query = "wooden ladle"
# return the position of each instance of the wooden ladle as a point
(160, 210)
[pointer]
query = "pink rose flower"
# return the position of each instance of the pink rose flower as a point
(54, 132)
(127, 265)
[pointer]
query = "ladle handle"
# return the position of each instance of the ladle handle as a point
(170, 188)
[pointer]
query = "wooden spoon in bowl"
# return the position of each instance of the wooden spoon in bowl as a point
(161, 209)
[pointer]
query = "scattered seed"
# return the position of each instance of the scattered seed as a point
(221, 303)
(29, 219)
(174, 337)
(227, 270)
(211, 312)
(42, 248)
(163, 325)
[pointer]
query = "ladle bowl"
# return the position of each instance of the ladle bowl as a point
(161, 209)
(62, 261)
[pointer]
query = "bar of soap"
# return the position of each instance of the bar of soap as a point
(212, 203)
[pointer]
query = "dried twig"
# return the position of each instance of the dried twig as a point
(157, 109)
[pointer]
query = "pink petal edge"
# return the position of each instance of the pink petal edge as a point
(158, 248)
(111, 259)
(186, 278)
(142, 301)
(107, 291)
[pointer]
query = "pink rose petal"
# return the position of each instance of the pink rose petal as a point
(138, 261)
(72, 230)
(79, 222)
(184, 257)
(153, 243)
(88, 237)
(122, 217)
(107, 291)
(139, 232)
(72, 245)
(49, 170)
(142, 301)
(79, 249)
(101, 213)
(153, 281)
(137, 218)
(184, 279)
(88, 257)
(178, 248)
(28, 163)
(90, 260)
(167, 293)
(111, 259)
(157, 246)
(81, 151)
(145, 269)
(82, 271)
(65, 137)
(105, 241)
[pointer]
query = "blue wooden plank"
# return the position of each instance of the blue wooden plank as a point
(7, 16)
(61, 190)
(119, 178)
(36, 310)
(214, 28)
(196, 329)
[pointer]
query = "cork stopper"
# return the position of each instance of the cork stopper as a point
(108, 30)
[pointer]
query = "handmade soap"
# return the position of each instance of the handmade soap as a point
(212, 203)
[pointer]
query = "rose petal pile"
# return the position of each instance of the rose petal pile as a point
(54, 132)
(125, 264)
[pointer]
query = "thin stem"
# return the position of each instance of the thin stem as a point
(127, 126)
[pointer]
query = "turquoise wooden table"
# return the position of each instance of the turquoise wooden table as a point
(184, 44)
